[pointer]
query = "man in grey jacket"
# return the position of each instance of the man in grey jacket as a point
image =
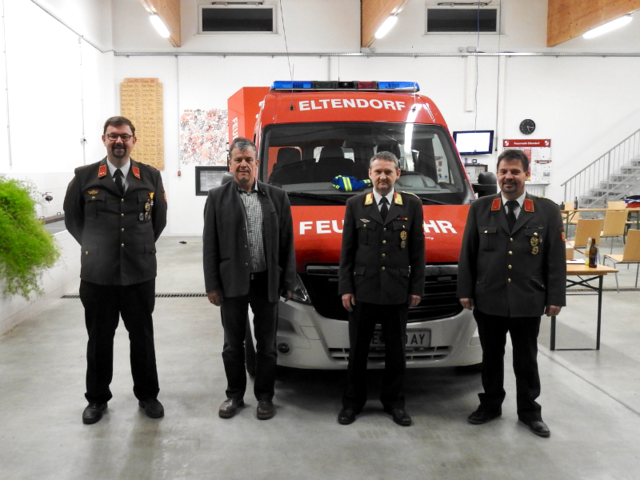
(248, 259)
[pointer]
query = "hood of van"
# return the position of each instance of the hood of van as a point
(318, 233)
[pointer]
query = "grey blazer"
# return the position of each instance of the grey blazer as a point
(226, 257)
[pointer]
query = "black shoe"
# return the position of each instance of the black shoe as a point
(347, 416)
(481, 416)
(153, 408)
(266, 409)
(230, 407)
(400, 416)
(538, 427)
(93, 413)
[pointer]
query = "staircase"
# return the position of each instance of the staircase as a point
(613, 176)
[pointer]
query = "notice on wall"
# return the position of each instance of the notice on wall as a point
(539, 154)
(141, 102)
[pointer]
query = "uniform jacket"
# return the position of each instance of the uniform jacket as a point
(382, 262)
(226, 257)
(513, 274)
(117, 233)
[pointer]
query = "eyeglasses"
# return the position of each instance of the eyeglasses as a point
(114, 136)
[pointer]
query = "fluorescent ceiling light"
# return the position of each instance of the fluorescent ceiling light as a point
(608, 27)
(386, 26)
(159, 25)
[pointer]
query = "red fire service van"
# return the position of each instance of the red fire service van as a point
(307, 133)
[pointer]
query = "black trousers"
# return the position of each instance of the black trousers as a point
(234, 312)
(103, 305)
(524, 339)
(362, 322)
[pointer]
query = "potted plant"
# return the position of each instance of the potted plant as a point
(26, 248)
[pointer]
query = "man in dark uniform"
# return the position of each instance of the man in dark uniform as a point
(512, 269)
(116, 209)
(381, 275)
(248, 259)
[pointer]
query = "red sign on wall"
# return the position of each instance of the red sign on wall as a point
(526, 143)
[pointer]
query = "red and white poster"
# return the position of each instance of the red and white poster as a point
(539, 154)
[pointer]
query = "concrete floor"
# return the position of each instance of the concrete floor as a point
(591, 402)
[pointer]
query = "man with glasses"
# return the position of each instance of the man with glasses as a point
(116, 209)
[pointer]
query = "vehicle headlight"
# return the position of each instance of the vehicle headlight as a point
(300, 293)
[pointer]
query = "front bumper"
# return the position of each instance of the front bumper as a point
(316, 342)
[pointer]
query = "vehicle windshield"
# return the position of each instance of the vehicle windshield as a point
(303, 159)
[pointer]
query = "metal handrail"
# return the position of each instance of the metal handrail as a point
(590, 177)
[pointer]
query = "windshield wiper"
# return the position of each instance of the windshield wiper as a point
(330, 198)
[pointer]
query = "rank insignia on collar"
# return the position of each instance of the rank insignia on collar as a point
(528, 205)
(397, 198)
(368, 199)
(92, 192)
(102, 171)
(495, 205)
(136, 172)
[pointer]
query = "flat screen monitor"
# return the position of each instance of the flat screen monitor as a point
(475, 142)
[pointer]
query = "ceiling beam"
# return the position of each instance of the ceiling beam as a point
(567, 19)
(169, 12)
(373, 13)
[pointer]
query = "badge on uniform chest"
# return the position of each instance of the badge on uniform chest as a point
(148, 206)
(403, 239)
(534, 243)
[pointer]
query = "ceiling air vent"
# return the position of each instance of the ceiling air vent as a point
(460, 19)
(228, 17)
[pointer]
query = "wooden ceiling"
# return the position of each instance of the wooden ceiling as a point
(567, 19)
(169, 12)
(373, 14)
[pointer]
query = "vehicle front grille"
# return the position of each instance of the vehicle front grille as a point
(439, 299)
(413, 354)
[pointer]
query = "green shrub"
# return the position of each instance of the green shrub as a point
(26, 248)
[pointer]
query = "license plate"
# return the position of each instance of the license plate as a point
(415, 338)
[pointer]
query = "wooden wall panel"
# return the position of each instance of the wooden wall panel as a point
(169, 12)
(567, 19)
(374, 12)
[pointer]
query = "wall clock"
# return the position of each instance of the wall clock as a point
(527, 126)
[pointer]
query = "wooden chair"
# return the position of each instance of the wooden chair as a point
(586, 229)
(617, 205)
(630, 254)
(615, 225)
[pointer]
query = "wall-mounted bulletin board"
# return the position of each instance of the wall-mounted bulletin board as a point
(141, 102)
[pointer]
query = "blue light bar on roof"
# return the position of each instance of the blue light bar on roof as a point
(407, 86)
(344, 86)
(288, 85)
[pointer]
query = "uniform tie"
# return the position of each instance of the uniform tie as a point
(118, 176)
(511, 214)
(384, 209)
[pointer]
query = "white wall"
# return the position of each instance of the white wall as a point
(56, 281)
(58, 91)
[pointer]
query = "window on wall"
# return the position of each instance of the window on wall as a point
(462, 19)
(237, 19)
